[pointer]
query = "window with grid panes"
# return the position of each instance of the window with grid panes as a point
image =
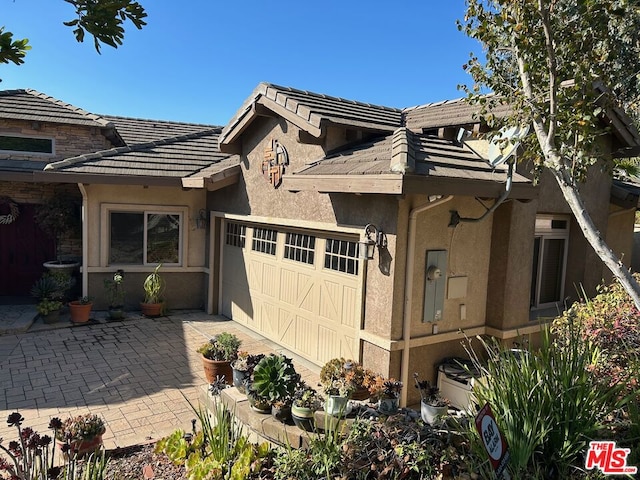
(264, 240)
(236, 234)
(300, 247)
(341, 256)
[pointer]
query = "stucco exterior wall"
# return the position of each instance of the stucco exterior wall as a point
(186, 284)
(509, 281)
(255, 197)
(620, 236)
(69, 140)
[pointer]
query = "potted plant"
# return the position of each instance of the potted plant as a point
(80, 309)
(338, 392)
(49, 310)
(305, 403)
(432, 404)
(153, 289)
(48, 291)
(274, 379)
(217, 355)
(81, 434)
(350, 371)
(115, 294)
(385, 392)
(242, 368)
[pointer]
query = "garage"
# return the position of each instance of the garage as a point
(299, 288)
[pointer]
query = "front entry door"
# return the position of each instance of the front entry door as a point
(23, 250)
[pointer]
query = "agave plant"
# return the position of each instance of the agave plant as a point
(275, 378)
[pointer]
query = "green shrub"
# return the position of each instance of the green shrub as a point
(547, 403)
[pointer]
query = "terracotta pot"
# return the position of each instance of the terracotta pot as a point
(151, 310)
(80, 311)
(360, 394)
(217, 368)
(82, 447)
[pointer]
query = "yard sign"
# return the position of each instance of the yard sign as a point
(494, 443)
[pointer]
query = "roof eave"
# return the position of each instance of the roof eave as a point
(102, 179)
(215, 181)
(396, 184)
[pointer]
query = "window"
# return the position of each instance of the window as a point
(549, 260)
(300, 248)
(341, 256)
(264, 240)
(142, 238)
(26, 144)
(236, 234)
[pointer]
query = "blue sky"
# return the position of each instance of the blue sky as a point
(198, 60)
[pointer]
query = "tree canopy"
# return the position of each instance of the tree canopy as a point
(102, 19)
(561, 66)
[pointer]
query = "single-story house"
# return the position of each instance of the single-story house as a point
(270, 219)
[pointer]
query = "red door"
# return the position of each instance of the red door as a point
(23, 250)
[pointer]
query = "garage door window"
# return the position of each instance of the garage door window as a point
(341, 256)
(236, 234)
(142, 238)
(300, 248)
(264, 240)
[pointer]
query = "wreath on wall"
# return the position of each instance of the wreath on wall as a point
(14, 212)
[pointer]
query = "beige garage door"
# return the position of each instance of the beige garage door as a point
(299, 288)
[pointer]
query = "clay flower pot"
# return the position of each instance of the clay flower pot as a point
(80, 311)
(217, 368)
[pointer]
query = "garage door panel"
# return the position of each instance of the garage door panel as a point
(312, 310)
(350, 308)
(305, 338)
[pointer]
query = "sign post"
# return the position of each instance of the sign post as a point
(494, 442)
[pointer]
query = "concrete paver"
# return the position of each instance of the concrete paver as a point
(139, 374)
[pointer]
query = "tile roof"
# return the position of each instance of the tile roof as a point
(135, 130)
(310, 111)
(178, 157)
(34, 106)
(450, 113)
(425, 155)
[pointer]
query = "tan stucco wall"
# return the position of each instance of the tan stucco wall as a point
(255, 197)
(509, 281)
(468, 247)
(620, 236)
(186, 284)
(70, 140)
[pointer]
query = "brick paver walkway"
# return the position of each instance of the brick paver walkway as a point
(139, 374)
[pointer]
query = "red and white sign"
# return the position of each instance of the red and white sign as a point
(609, 459)
(494, 442)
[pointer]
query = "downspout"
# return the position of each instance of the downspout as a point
(85, 241)
(408, 295)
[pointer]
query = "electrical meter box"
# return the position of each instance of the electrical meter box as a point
(435, 283)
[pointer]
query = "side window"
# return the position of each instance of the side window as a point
(142, 238)
(549, 260)
(27, 145)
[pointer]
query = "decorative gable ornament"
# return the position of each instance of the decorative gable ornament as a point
(275, 159)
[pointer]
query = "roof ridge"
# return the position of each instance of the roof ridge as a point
(129, 148)
(160, 120)
(68, 106)
(330, 97)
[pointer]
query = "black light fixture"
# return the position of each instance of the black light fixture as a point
(373, 237)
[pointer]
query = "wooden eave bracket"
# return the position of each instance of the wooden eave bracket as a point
(215, 181)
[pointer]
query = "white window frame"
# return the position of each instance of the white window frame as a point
(544, 231)
(145, 210)
(29, 153)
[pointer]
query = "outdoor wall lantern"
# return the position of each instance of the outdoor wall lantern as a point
(374, 237)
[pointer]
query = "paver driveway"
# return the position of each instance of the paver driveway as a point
(137, 374)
